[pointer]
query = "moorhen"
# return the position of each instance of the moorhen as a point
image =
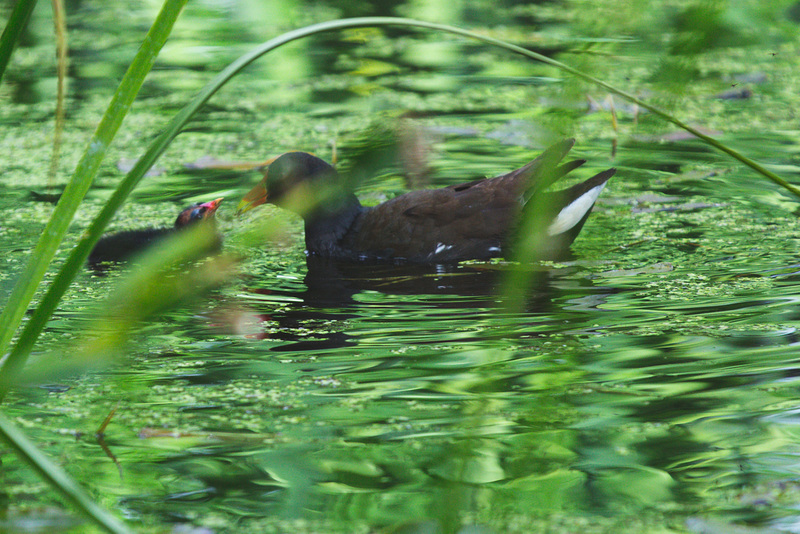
(473, 220)
(121, 246)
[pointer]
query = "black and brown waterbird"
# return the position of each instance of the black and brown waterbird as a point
(473, 220)
(121, 246)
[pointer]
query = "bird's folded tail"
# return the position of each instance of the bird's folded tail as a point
(575, 203)
(551, 221)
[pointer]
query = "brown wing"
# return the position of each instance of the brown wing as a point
(468, 220)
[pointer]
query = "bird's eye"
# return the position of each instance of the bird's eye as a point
(197, 213)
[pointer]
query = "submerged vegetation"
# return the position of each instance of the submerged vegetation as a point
(453, 412)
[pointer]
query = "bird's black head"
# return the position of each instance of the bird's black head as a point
(303, 183)
(297, 173)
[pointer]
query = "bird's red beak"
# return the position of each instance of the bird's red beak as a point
(255, 197)
(211, 207)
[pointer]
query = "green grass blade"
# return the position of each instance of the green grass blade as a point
(58, 478)
(16, 24)
(162, 277)
(390, 21)
(76, 189)
(60, 20)
(168, 274)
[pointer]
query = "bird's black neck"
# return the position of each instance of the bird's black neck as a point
(326, 226)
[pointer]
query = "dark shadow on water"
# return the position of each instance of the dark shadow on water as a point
(337, 291)
(332, 283)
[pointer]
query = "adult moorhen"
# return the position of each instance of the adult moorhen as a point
(473, 220)
(121, 246)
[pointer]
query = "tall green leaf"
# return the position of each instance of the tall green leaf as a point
(14, 28)
(53, 234)
(58, 478)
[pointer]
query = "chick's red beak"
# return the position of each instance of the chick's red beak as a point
(211, 207)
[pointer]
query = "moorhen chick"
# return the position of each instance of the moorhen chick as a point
(473, 220)
(121, 246)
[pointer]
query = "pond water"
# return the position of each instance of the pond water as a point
(650, 384)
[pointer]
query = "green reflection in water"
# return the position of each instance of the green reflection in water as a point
(649, 383)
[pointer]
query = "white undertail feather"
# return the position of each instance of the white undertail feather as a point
(574, 211)
(441, 247)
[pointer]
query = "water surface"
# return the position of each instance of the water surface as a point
(649, 384)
